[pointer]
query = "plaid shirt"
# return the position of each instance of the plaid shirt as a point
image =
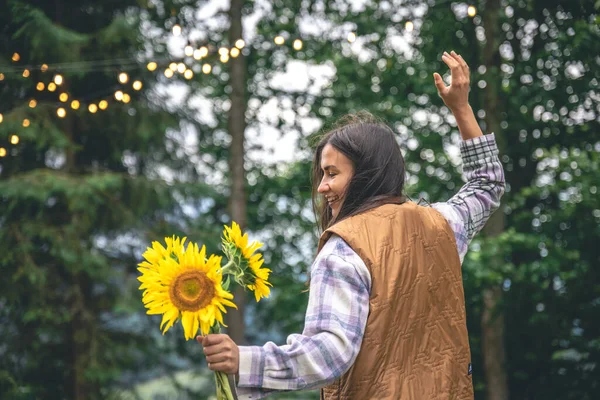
(340, 286)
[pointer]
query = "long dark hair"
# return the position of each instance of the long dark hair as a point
(379, 171)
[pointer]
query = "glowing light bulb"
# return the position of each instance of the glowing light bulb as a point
(206, 68)
(189, 50)
(181, 68)
(240, 43)
(409, 26)
(351, 37)
(1, 76)
(63, 97)
(203, 51)
(51, 87)
(44, 67)
(40, 86)
(26, 73)
(118, 95)
(224, 58)
(234, 52)
(16, 57)
(61, 112)
(2, 152)
(126, 98)
(103, 105)
(279, 40)
(14, 139)
(471, 11)
(173, 66)
(297, 44)
(26, 123)
(197, 54)
(188, 74)
(169, 73)
(92, 108)
(176, 30)
(123, 77)
(75, 104)
(1, 118)
(32, 103)
(58, 79)
(151, 66)
(137, 85)
(223, 51)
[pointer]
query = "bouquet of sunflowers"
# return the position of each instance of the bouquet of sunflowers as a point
(183, 283)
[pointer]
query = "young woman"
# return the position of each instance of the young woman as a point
(386, 312)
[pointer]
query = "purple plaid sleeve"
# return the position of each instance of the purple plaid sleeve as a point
(469, 209)
(334, 325)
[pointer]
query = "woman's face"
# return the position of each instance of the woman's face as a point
(337, 172)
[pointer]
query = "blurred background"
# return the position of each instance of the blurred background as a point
(122, 122)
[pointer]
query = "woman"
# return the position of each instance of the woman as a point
(386, 312)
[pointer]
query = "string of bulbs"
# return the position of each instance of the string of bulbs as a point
(123, 78)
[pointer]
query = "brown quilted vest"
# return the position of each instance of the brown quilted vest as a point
(415, 344)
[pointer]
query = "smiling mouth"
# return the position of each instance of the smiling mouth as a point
(332, 199)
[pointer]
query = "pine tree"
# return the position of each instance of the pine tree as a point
(81, 194)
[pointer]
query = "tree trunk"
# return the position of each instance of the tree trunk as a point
(492, 320)
(236, 125)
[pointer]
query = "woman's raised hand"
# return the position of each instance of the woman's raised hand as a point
(455, 96)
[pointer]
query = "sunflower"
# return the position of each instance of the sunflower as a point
(250, 274)
(181, 283)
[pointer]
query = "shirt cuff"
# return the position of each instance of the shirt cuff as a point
(478, 148)
(251, 367)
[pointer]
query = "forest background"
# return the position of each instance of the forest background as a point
(122, 122)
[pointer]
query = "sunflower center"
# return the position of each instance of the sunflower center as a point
(191, 291)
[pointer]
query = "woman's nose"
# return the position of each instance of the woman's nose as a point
(323, 187)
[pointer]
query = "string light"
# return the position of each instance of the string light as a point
(92, 108)
(16, 57)
(14, 139)
(188, 74)
(471, 11)
(176, 30)
(409, 26)
(240, 43)
(197, 54)
(279, 40)
(297, 44)
(169, 73)
(75, 104)
(351, 37)
(32, 103)
(189, 50)
(119, 95)
(181, 68)
(206, 68)
(61, 112)
(223, 51)
(137, 85)
(126, 98)
(224, 58)
(1, 76)
(103, 104)
(203, 51)
(51, 87)
(151, 66)
(1, 118)
(173, 66)
(40, 86)
(234, 52)
(58, 79)
(64, 97)
(26, 73)
(123, 77)
(2, 152)
(44, 67)
(26, 123)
